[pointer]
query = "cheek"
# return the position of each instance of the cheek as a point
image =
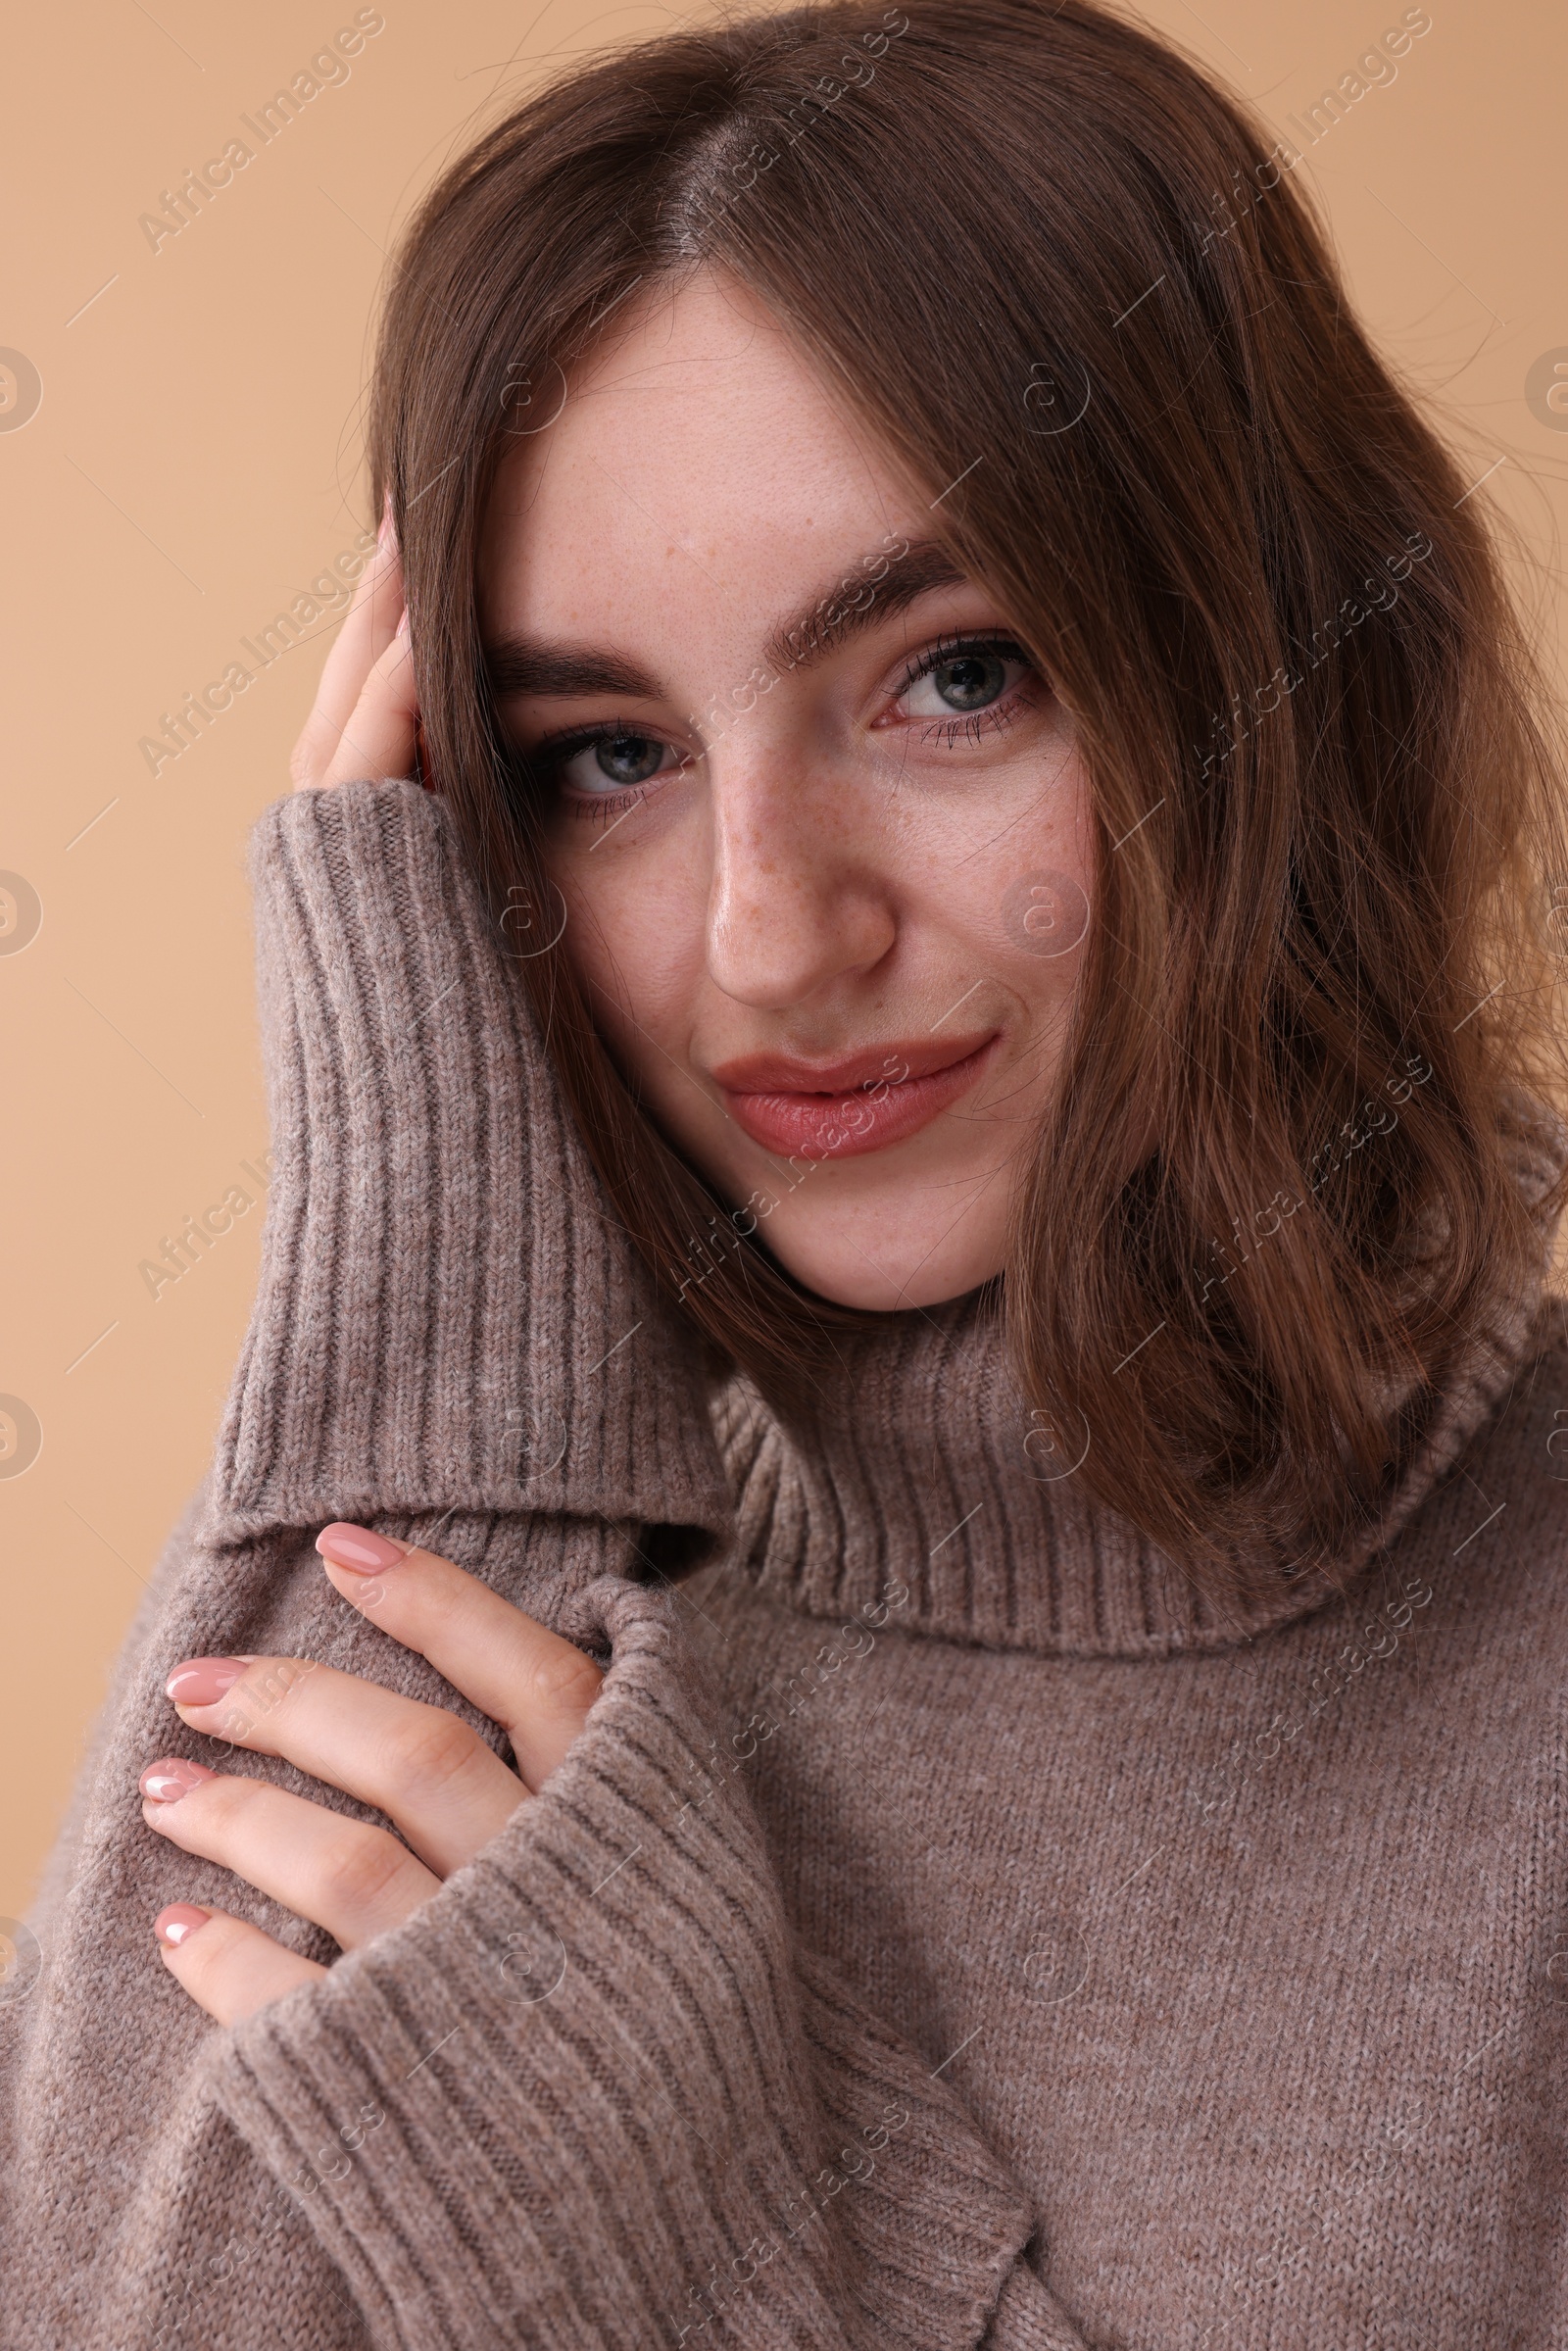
(1043, 913)
(1010, 880)
(634, 937)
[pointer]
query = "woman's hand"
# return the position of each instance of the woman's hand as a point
(427, 1770)
(365, 723)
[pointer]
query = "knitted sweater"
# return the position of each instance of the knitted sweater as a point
(947, 1931)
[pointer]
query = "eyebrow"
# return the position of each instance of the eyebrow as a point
(517, 664)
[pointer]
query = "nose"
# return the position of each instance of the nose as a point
(801, 890)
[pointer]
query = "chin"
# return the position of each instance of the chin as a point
(857, 1261)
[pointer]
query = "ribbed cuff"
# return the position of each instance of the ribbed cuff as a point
(447, 1313)
(587, 2097)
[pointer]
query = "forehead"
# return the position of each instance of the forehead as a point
(703, 438)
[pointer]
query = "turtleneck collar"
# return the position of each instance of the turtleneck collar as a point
(919, 1465)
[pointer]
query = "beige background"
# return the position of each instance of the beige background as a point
(196, 460)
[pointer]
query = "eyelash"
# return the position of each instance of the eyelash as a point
(998, 717)
(552, 754)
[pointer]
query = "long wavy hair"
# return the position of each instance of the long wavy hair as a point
(1272, 1200)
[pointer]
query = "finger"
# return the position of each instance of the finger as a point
(352, 1879)
(429, 1772)
(228, 1968)
(379, 739)
(368, 628)
(537, 1685)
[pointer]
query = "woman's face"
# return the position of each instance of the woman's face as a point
(821, 830)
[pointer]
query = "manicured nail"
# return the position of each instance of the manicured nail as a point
(172, 1778)
(385, 531)
(358, 1549)
(402, 628)
(203, 1680)
(178, 1923)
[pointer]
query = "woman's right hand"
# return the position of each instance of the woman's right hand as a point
(364, 724)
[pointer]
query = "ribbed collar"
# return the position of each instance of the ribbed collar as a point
(913, 1469)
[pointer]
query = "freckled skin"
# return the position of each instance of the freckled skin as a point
(838, 866)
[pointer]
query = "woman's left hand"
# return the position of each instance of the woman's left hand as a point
(447, 1792)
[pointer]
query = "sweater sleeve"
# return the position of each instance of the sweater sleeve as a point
(595, 2098)
(592, 2092)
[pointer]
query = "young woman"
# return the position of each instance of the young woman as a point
(874, 1656)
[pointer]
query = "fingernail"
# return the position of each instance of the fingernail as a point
(385, 531)
(402, 628)
(178, 1923)
(358, 1549)
(172, 1778)
(202, 1680)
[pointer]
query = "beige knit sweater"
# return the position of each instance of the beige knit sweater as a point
(947, 1931)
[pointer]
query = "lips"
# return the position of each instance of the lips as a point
(861, 1102)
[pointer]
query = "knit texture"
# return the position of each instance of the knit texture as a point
(919, 1458)
(1243, 1935)
(947, 1930)
(594, 2092)
(447, 1313)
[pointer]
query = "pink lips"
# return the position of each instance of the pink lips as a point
(842, 1109)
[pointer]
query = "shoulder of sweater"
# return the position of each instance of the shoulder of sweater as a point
(1494, 1532)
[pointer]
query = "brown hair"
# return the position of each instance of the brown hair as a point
(1037, 248)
